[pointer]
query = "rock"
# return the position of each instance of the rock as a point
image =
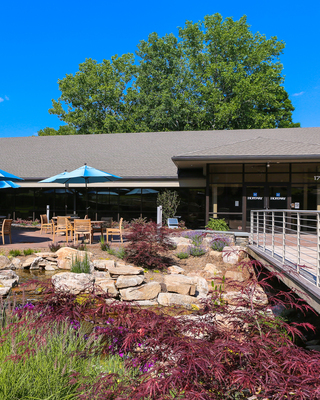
(235, 297)
(103, 265)
(47, 255)
(35, 263)
(202, 288)
(172, 299)
(125, 281)
(16, 263)
(51, 267)
(174, 269)
(148, 291)
(28, 262)
(8, 279)
(101, 275)
(180, 284)
(217, 255)
(235, 276)
(182, 248)
(233, 254)
(125, 270)
(213, 269)
(208, 276)
(107, 285)
(5, 263)
(66, 256)
(179, 240)
(73, 283)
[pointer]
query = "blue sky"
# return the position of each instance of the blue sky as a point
(43, 41)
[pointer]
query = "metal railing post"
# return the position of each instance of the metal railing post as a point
(251, 226)
(258, 228)
(298, 242)
(318, 249)
(272, 233)
(264, 230)
(283, 237)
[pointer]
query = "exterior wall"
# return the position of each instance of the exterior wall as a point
(235, 189)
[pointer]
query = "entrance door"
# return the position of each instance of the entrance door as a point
(255, 199)
(269, 196)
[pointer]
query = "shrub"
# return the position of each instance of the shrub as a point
(169, 200)
(216, 224)
(28, 252)
(219, 242)
(103, 245)
(15, 253)
(195, 236)
(182, 255)
(139, 220)
(121, 253)
(54, 247)
(197, 251)
(81, 266)
(111, 251)
(146, 242)
(239, 352)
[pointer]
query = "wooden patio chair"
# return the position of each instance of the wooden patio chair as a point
(45, 225)
(63, 225)
(6, 230)
(82, 227)
(115, 231)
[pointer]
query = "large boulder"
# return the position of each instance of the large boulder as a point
(174, 299)
(125, 281)
(174, 269)
(103, 265)
(236, 298)
(5, 262)
(213, 269)
(202, 287)
(233, 254)
(67, 255)
(105, 283)
(180, 284)
(125, 270)
(8, 279)
(71, 282)
(149, 291)
(234, 276)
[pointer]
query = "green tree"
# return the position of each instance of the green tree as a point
(216, 75)
(170, 202)
(97, 99)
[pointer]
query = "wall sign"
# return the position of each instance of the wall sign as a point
(254, 198)
(278, 198)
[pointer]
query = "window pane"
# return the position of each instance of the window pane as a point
(278, 177)
(255, 177)
(255, 168)
(225, 168)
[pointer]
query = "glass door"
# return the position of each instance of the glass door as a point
(255, 197)
(278, 197)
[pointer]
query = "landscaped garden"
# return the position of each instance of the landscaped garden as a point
(86, 342)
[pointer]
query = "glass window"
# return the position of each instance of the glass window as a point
(226, 178)
(255, 168)
(255, 177)
(303, 178)
(278, 177)
(305, 167)
(278, 167)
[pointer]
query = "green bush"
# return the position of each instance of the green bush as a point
(81, 266)
(169, 200)
(103, 245)
(182, 255)
(28, 252)
(121, 253)
(15, 253)
(216, 224)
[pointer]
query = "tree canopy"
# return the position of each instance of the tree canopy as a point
(216, 75)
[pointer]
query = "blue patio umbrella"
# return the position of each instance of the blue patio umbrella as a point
(6, 176)
(84, 174)
(8, 184)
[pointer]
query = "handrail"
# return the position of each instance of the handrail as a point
(290, 238)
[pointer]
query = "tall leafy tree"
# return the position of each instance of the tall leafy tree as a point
(216, 75)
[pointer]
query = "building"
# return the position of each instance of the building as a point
(221, 174)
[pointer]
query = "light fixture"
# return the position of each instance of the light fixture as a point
(268, 165)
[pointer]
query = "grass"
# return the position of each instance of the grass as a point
(38, 362)
(182, 255)
(28, 252)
